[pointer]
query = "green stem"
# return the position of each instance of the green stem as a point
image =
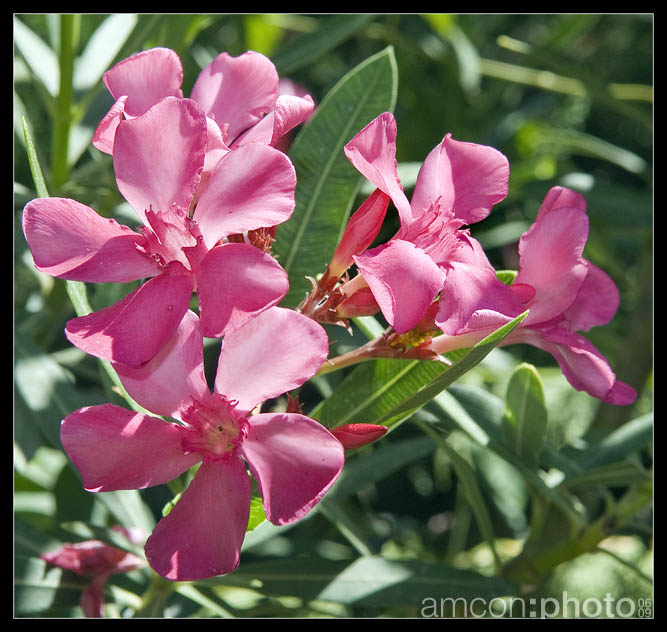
(530, 569)
(154, 599)
(69, 25)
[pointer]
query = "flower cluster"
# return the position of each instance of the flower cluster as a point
(209, 183)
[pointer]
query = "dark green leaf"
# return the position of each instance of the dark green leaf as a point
(525, 422)
(327, 182)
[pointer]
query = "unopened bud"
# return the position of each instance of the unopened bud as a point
(354, 436)
(361, 303)
(362, 228)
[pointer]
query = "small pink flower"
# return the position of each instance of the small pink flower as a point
(96, 560)
(457, 185)
(159, 160)
(293, 458)
(241, 96)
(564, 292)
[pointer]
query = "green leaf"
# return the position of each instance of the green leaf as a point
(33, 160)
(375, 581)
(526, 420)
(40, 58)
(389, 391)
(311, 46)
(621, 443)
(327, 183)
(101, 49)
(369, 581)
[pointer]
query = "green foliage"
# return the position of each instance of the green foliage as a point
(498, 480)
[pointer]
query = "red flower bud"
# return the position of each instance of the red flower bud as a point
(353, 436)
(361, 230)
(361, 303)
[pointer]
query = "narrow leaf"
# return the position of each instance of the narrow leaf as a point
(327, 183)
(311, 46)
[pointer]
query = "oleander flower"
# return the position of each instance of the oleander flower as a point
(564, 292)
(97, 560)
(242, 97)
(182, 245)
(457, 185)
(293, 458)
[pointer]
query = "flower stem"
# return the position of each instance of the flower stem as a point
(69, 27)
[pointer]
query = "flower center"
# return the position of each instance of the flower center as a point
(214, 429)
(172, 236)
(436, 231)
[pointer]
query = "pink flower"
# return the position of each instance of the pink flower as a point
(293, 458)
(96, 560)
(564, 292)
(457, 185)
(158, 160)
(241, 96)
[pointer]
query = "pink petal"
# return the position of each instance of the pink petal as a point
(71, 241)
(596, 303)
(550, 261)
(115, 448)
(373, 153)
(585, 368)
(403, 279)
(472, 297)
(272, 354)
(134, 329)
(235, 283)
(105, 133)
(159, 157)
(173, 376)
(288, 112)
(251, 187)
(558, 197)
(294, 460)
(146, 78)
(468, 178)
(202, 535)
(237, 91)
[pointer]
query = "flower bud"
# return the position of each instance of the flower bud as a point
(362, 228)
(361, 303)
(354, 436)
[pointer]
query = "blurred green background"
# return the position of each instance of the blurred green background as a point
(567, 98)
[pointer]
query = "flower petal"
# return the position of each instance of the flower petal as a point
(251, 187)
(585, 368)
(373, 153)
(596, 303)
(105, 133)
(272, 354)
(472, 297)
(173, 376)
(202, 535)
(551, 262)
(134, 329)
(235, 283)
(403, 279)
(145, 78)
(467, 178)
(294, 459)
(115, 448)
(237, 91)
(561, 196)
(71, 241)
(159, 157)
